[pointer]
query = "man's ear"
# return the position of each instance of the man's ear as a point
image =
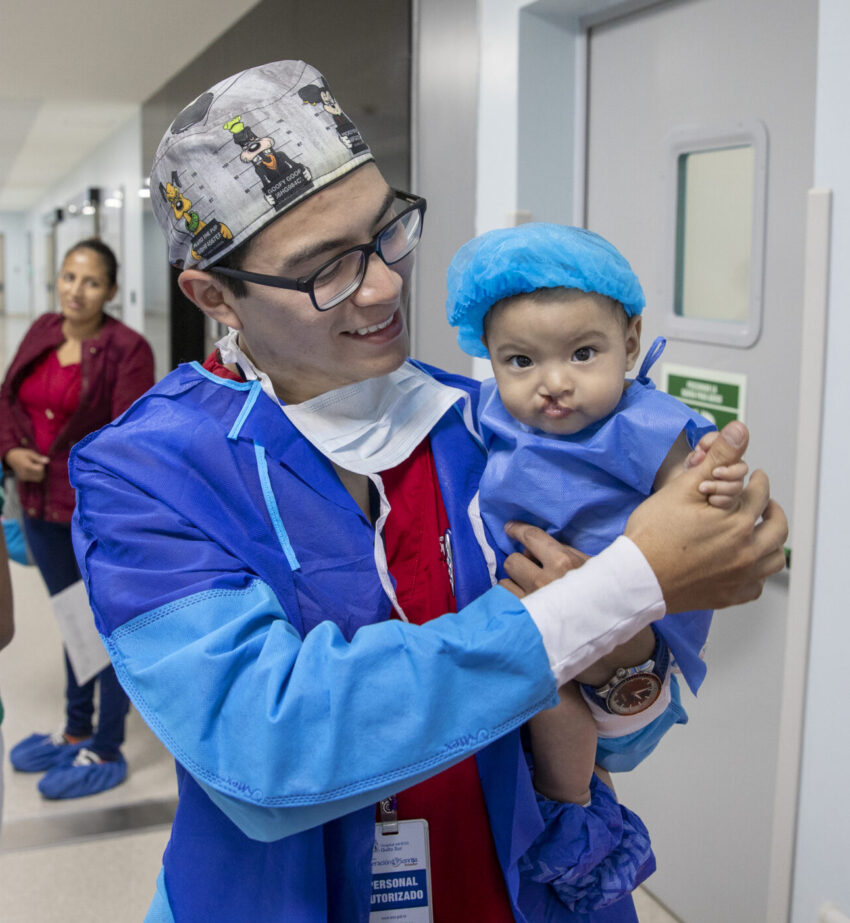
(633, 341)
(204, 290)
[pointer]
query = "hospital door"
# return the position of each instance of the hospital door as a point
(698, 111)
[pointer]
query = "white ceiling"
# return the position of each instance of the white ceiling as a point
(71, 71)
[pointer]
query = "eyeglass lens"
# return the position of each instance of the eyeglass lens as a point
(338, 280)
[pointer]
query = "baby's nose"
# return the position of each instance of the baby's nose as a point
(557, 381)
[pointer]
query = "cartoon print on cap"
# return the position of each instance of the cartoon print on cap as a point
(320, 95)
(282, 178)
(207, 237)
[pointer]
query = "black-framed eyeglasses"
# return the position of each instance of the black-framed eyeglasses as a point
(341, 276)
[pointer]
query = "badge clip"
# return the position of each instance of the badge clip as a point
(389, 815)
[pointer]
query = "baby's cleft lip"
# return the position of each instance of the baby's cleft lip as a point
(552, 409)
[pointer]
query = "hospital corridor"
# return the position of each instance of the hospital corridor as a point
(200, 241)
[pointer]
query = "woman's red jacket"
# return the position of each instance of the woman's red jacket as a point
(116, 368)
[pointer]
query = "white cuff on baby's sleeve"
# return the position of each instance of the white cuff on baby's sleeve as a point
(590, 611)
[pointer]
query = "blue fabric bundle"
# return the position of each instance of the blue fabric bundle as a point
(592, 856)
(514, 261)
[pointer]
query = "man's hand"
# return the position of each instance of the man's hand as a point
(705, 557)
(544, 560)
(27, 464)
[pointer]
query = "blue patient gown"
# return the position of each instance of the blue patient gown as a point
(581, 489)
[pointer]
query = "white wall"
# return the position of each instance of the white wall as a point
(498, 99)
(823, 844)
(529, 112)
(498, 80)
(13, 227)
(526, 117)
(546, 118)
(117, 163)
(445, 98)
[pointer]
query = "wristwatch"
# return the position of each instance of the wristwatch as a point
(632, 690)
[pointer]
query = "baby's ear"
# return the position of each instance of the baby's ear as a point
(633, 341)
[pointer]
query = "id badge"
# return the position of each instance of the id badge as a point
(401, 874)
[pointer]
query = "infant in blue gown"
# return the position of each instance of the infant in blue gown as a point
(573, 447)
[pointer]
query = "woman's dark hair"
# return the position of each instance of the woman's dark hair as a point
(110, 263)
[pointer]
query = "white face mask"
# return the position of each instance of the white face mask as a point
(367, 427)
(374, 425)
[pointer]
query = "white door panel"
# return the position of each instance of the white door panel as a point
(708, 794)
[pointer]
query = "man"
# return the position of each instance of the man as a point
(261, 536)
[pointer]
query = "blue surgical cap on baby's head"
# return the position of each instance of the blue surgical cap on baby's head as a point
(514, 261)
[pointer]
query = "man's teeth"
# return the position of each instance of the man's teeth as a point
(375, 327)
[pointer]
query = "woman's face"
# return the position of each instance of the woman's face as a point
(84, 287)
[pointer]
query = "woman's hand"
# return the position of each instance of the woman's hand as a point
(544, 560)
(27, 464)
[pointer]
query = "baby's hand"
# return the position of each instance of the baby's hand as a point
(727, 482)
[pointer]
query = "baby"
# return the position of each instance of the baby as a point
(573, 447)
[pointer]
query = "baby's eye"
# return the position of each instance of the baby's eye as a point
(584, 354)
(520, 362)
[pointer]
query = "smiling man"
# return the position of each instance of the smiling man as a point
(286, 562)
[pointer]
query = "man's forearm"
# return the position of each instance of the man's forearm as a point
(586, 614)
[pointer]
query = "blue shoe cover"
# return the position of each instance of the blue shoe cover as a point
(43, 751)
(87, 775)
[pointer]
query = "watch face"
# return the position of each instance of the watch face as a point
(634, 694)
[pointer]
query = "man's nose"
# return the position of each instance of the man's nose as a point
(380, 284)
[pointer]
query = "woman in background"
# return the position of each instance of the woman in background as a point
(74, 372)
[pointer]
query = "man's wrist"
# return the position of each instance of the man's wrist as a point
(590, 611)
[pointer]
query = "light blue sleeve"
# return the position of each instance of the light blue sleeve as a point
(160, 910)
(285, 733)
(620, 754)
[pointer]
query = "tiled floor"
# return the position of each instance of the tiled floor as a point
(89, 859)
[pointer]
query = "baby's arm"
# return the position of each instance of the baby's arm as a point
(563, 745)
(726, 484)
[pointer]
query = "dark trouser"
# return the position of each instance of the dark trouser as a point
(50, 544)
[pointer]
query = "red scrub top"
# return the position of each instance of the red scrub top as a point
(466, 878)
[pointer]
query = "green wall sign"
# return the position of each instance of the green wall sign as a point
(719, 396)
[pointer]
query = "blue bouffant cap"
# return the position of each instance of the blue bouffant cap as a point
(514, 261)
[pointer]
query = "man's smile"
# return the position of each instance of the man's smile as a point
(374, 328)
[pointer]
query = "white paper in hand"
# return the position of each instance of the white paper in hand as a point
(76, 625)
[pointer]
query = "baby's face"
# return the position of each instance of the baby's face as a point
(560, 362)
